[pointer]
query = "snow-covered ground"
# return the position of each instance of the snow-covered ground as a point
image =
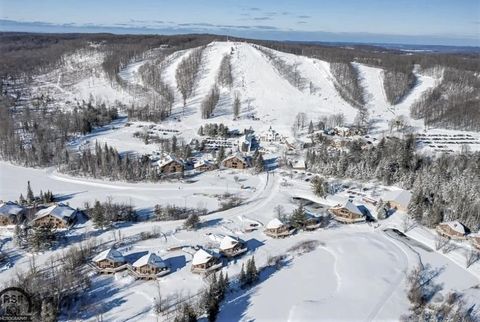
(357, 273)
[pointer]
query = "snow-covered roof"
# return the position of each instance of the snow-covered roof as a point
(150, 259)
(275, 223)
(456, 226)
(167, 160)
(201, 257)
(10, 208)
(237, 156)
(400, 196)
(229, 242)
(110, 254)
(202, 163)
(351, 208)
(59, 211)
(299, 164)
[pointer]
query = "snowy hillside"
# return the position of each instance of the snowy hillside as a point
(267, 97)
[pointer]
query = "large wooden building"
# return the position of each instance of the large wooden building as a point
(11, 213)
(149, 266)
(236, 161)
(347, 213)
(56, 216)
(232, 246)
(171, 165)
(277, 229)
(452, 229)
(398, 199)
(109, 261)
(204, 262)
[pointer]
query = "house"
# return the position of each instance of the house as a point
(149, 266)
(203, 165)
(398, 199)
(475, 239)
(347, 213)
(277, 229)
(452, 229)
(109, 261)
(56, 216)
(270, 136)
(11, 213)
(170, 165)
(232, 246)
(236, 161)
(204, 262)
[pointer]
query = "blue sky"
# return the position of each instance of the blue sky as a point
(455, 22)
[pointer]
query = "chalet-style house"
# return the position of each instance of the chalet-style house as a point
(203, 165)
(149, 266)
(204, 262)
(11, 213)
(398, 199)
(236, 161)
(475, 239)
(347, 213)
(452, 229)
(232, 246)
(170, 165)
(277, 229)
(109, 261)
(56, 216)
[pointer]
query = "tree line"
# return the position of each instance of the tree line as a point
(443, 188)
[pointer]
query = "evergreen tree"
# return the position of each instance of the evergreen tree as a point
(221, 155)
(30, 196)
(298, 218)
(310, 128)
(200, 131)
(243, 276)
(186, 314)
(319, 186)
(251, 273)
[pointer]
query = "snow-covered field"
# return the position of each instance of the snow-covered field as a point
(357, 273)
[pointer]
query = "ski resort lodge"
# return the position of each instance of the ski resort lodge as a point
(398, 199)
(149, 267)
(170, 165)
(236, 161)
(347, 213)
(55, 216)
(277, 229)
(109, 261)
(11, 213)
(232, 246)
(452, 229)
(205, 262)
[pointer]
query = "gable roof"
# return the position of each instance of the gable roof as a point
(236, 156)
(167, 160)
(60, 211)
(110, 254)
(275, 223)
(229, 242)
(351, 208)
(201, 257)
(400, 196)
(10, 208)
(456, 226)
(151, 259)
